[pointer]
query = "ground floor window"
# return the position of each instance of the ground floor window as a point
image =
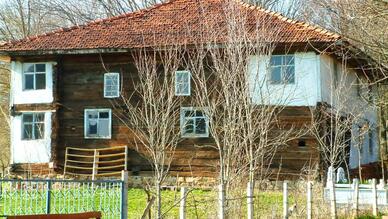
(98, 123)
(32, 126)
(194, 123)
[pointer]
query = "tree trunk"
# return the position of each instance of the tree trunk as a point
(158, 200)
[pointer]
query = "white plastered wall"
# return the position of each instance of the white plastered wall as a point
(345, 83)
(20, 96)
(304, 92)
(30, 151)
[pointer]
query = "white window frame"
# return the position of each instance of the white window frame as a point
(177, 93)
(34, 74)
(33, 137)
(183, 121)
(86, 119)
(118, 84)
(282, 70)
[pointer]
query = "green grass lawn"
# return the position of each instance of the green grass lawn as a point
(199, 204)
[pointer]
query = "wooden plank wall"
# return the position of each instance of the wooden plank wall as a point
(79, 85)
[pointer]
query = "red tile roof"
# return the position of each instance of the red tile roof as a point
(176, 21)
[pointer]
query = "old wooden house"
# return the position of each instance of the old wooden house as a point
(61, 93)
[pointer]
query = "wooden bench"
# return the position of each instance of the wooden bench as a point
(85, 215)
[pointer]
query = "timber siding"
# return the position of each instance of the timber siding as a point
(78, 85)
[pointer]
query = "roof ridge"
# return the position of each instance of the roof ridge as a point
(282, 17)
(93, 22)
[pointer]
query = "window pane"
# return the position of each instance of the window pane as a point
(276, 60)
(28, 81)
(188, 126)
(104, 115)
(27, 131)
(289, 74)
(40, 67)
(103, 128)
(289, 60)
(276, 75)
(200, 126)
(198, 113)
(27, 118)
(92, 114)
(39, 130)
(39, 117)
(40, 81)
(28, 68)
(189, 113)
(92, 127)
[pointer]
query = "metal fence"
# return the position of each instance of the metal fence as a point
(29, 197)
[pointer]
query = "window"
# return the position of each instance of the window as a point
(194, 123)
(111, 85)
(301, 143)
(32, 126)
(282, 69)
(182, 83)
(98, 123)
(34, 76)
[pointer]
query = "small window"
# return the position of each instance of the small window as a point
(111, 85)
(98, 123)
(282, 69)
(302, 143)
(32, 126)
(182, 83)
(34, 76)
(194, 123)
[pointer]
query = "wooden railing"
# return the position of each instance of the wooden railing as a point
(95, 163)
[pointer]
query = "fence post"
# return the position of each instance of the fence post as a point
(221, 201)
(374, 194)
(309, 200)
(285, 200)
(48, 197)
(182, 207)
(124, 195)
(250, 193)
(355, 196)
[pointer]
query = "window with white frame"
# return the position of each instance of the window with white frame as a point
(182, 83)
(111, 85)
(98, 123)
(194, 123)
(282, 69)
(32, 126)
(34, 76)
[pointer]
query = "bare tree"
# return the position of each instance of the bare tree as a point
(151, 110)
(243, 109)
(344, 119)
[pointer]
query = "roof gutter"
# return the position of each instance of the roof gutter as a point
(62, 52)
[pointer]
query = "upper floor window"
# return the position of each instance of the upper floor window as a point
(182, 83)
(98, 123)
(32, 126)
(194, 122)
(34, 76)
(282, 69)
(111, 85)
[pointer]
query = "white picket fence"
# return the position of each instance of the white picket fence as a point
(354, 194)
